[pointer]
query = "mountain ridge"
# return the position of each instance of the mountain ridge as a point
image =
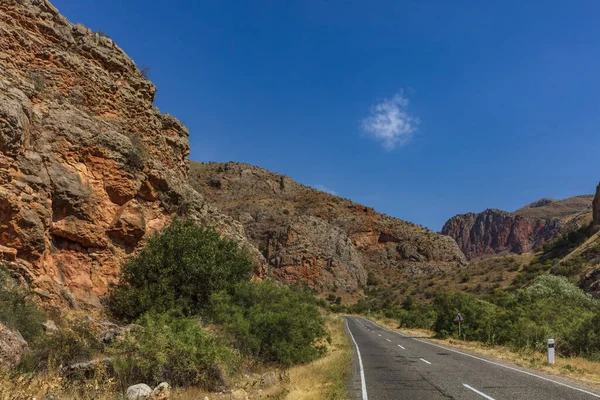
(308, 235)
(494, 231)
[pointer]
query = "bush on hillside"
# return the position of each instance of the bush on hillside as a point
(17, 311)
(566, 243)
(551, 307)
(180, 268)
(72, 343)
(171, 348)
(421, 316)
(273, 323)
(483, 320)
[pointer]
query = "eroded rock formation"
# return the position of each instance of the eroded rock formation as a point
(494, 231)
(88, 166)
(315, 237)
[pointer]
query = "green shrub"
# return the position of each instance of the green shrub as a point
(273, 323)
(180, 268)
(482, 319)
(421, 316)
(17, 311)
(550, 307)
(566, 243)
(171, 348)
(73, 343)
(371, 279)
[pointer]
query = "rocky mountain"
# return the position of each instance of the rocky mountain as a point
(494, 231)
(88, 166)
(311, 236)
(589, 253)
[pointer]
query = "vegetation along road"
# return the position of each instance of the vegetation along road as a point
(390, 365)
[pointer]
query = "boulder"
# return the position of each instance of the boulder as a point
(50, 326)
(139, 391)
(161, 392)
(239, 394)
(268, 379)
(12, 347)
(114, 333)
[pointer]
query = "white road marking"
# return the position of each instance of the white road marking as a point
(378, 335)
(495, 363)
(478, 392)
(388, 340)
(425, 361)
(363, 382)
(401, 347)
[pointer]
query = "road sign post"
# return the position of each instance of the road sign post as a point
(459, 318)
(550, 351)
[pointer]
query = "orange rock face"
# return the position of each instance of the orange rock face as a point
(89, 168)
(494, 231)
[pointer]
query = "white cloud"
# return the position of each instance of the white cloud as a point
(390, 123)
(324, 188)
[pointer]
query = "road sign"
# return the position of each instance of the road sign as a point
(459, 318)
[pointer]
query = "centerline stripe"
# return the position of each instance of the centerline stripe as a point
(478, 392)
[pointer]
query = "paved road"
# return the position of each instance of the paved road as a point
(399, 367)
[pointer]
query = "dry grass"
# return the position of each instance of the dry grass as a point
(479, 277)
(575, 368)
(327, 377)
(40, 387)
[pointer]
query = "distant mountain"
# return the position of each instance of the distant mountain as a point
(313, 237)
(552, 208)
(494, 231)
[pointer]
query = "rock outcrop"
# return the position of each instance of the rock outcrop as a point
(315, 237)
(494, 231)
(138, 392)
(89, 168)
(12, 347)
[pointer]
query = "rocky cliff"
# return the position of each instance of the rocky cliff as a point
(494, 231)
(88, 166)
(315, 237)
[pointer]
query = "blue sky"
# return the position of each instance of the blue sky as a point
(421, 109)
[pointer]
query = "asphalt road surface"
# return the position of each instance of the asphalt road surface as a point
(390, 365)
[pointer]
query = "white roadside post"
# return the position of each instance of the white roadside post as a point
(550, 351)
